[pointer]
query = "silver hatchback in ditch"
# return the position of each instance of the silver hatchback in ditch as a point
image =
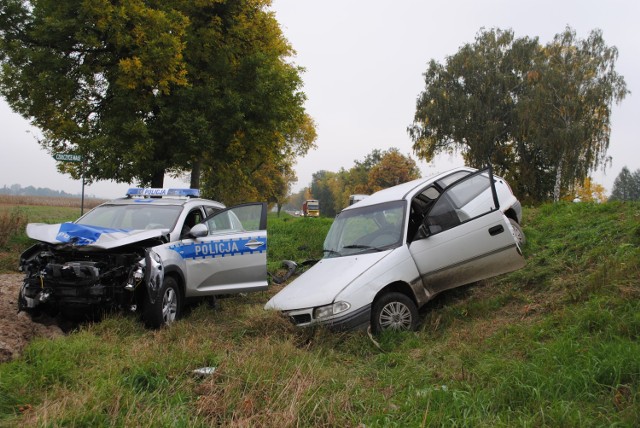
(389, 254)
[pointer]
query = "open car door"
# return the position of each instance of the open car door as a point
(465, 237)
(232, 256)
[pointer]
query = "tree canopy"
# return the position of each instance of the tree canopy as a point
(626, 186)
(539, 114)
(144, 88)
(378, 170)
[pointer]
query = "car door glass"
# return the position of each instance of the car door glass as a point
(220, 223)
(248, 217)
(211, 210)
(194, 217)
(442, 216)
(420, 205)
(461, 202)
(449, 179)
(242, 218)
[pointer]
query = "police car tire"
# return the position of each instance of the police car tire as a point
(391, 305)
(169, 300)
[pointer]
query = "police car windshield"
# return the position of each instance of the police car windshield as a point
(132, 216)
(367, 229)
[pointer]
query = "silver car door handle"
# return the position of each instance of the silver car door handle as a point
(254, 244)
(496, 230)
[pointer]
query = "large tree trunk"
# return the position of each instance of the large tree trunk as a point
(195, 175)
(157, 181)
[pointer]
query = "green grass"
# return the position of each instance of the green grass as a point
(553, 344)
(295, 238)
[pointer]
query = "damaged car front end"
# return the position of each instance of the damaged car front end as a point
(83, 276)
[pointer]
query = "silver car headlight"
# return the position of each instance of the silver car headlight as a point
(329, 310)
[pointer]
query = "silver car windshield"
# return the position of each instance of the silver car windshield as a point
(132, 216)
(367, 229)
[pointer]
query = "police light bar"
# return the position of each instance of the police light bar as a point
(155, 192)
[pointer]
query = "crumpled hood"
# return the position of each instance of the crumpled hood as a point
(81, 235)
(323, 282)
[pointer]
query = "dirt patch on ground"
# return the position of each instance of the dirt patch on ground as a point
(18, 329)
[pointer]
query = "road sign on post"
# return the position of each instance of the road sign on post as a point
(72, 157)
(67, 157)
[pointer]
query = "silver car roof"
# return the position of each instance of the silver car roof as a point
(406, 190)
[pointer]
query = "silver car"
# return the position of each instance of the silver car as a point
(392, 252)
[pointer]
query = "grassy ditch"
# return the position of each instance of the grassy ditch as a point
(553, 344)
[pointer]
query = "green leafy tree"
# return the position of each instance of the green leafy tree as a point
(626, 186)
(467, 106)
(322, 185)
(295, 200)
(358, 175)
(88, 75)
(354, 180)
(393, 169)
(377, 171)
(259, 171)
(568, 114)
(144, 88)
(540, 115)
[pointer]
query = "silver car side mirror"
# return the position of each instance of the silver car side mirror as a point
(199, 230)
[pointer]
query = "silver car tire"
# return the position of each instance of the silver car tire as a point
(395, 312)
(517, 232)
(167, 308)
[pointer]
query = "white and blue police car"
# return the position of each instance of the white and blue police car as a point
(148, 252)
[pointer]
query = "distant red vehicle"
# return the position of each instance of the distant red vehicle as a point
(311, 208)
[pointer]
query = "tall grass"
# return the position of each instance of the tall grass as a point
(13, 219)
(554, 344)
(49, 201)
(11, 223)
(295, 238)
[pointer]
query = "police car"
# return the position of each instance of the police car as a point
(148, 252)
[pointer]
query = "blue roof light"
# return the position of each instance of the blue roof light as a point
(190, 193)
(157, 192)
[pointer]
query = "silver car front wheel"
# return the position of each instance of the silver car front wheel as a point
(517, 232)
(394, 311)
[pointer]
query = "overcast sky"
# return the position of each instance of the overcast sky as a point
(364, 61)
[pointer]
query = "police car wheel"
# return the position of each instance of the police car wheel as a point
(394, 312)
(167, 308)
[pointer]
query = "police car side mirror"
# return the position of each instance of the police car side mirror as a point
(199, 230)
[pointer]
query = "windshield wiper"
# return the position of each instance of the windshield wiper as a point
(332, 252)
(363, 247)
